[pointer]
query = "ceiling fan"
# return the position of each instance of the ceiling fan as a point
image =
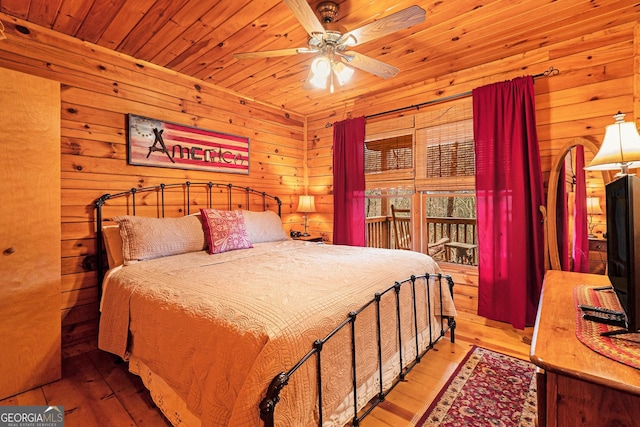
(333, 60)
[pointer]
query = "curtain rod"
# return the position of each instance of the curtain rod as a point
(550, 72)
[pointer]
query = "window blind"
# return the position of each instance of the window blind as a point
(388, 154)
(445, 148)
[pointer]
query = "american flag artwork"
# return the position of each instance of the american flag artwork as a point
(158, 143)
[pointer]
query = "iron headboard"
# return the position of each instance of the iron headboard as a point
(208, 186)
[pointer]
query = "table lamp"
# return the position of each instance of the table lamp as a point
(306, 204)
(593, 208)
(620, 148)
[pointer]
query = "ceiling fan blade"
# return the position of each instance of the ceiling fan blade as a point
(272, 53)
(383, 26)
(303, 13)
(369, 65)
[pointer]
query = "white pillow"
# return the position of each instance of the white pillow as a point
(146, 238)
(264, 226)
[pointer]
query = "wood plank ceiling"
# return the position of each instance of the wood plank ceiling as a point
(198, 38)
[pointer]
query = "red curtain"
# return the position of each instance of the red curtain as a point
(349, 222)
(509, 193)
(580, 252)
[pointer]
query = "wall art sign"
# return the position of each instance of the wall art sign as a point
(163, 144)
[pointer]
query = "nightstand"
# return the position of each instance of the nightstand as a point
(311, 238)
(597, 256)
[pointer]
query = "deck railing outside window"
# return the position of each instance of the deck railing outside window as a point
(462, 234)
(379, 232)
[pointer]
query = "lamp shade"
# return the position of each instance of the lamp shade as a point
(306, 204)
(620, 148)
(593, 206)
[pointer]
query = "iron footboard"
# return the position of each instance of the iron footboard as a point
(270, 401)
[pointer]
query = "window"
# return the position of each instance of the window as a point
(389, 170)
(379, 200)
(378, 212)
(389, 174)
(451, 215)
(445, 177)
(425, 162)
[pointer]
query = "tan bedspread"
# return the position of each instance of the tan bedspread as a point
(219, 327)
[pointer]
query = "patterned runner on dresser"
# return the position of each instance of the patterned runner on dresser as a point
(624, 348)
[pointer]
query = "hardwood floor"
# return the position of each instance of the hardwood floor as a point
(97, 391)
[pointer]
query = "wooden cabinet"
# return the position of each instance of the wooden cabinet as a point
(576, 385)
(30, 266)
(597, 256)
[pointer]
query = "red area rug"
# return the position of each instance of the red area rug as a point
(487, 389)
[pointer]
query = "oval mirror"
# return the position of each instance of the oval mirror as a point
(552, 195)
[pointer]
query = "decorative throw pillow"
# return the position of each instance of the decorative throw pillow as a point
(225, 230)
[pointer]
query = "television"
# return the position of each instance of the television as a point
(623, 245)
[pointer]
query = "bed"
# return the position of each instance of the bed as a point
(228, 321)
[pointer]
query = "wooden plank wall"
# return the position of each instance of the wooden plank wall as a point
(98, 89)
(596, 80)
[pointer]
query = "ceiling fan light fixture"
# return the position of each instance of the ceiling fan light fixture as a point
(320, 70)
(321, 67)
(319, 82)
(342, 72)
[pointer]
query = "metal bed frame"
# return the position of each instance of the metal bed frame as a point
(269, 402)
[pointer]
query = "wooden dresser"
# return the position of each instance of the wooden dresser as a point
(577, 386)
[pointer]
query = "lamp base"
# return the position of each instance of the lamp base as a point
(305, 233)
(590, 227)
